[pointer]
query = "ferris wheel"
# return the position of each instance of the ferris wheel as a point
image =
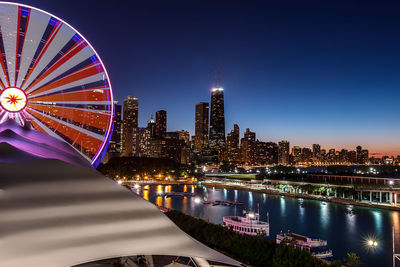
(51, 76)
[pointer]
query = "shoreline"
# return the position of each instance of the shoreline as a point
(319, 198)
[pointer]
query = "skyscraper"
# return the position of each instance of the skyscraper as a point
(161, 123)
(151, 126)
(217, 118)
(248, 147)
(114, 147)
(201, 126)
(130, 126)
(283, 152)
(232, 145)
(316, 152)
(296, 153)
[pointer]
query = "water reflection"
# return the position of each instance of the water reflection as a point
(250, 200)
(185, 205)
(378, 222)
(146, 194)
(324, 218)
(333, 222)
(351, 221)
(159, 201)
(396, 231)
(168, 202)
(301, 211)
(283, 206)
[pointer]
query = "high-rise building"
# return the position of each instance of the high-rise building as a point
(114, 147)
(306, 154)
(217, 118)
(232, 145)
(201, 126)
(143, 140)
(247, 147)
(130, 126)
(296, 153)
(316, 152)
(272, 153)
(185, 136)
(283, 152)
(364, 159)
(151, 126)
(161, 123)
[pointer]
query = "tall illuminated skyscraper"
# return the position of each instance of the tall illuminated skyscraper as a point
(161, 123)
(114, 147)
(130, 126)
(283, 152)
(232, 145)
(217, 117)
(201, 126)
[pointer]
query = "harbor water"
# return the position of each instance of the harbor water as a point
(345, 227)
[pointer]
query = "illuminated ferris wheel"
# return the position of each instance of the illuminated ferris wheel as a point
(51, 76)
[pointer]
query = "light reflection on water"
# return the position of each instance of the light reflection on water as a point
(332, 222)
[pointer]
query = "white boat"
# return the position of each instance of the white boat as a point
(248, 224)
(317, 247)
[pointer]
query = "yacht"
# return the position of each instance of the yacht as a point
(317, 247)
(248, 224)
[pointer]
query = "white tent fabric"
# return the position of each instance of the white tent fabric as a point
(53, 213)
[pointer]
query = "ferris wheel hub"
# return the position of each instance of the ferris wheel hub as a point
(13, 99)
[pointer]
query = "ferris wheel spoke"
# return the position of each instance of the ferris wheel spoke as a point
(85, 117)
(66, 58)
(9, 25)
(23, 22)
(75, 135)
(32, 43)
(43, 128)
(79, 129)
(3, 63)
(81, 76)
(92, 94)
(76, 65)
(53, 27)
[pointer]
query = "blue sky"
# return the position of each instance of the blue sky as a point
(307, 71)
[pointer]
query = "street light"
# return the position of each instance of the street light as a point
(373, 245)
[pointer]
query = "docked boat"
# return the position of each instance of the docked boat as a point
(317, 247)
(248, 224)
(179, 194)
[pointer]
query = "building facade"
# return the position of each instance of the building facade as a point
(283, 152)
(217, 119)
(161, 123)
(201, 126)
(130, 126)
(232, 145)
(115, 145)
(248, 148)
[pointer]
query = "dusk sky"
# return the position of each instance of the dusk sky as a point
(324, 72)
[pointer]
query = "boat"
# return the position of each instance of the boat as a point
(225, 203)
(248, 224)
(179, 194)
(317, 247)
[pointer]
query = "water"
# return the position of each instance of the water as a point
(331, 222)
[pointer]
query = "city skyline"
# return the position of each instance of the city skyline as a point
(304, 76)
(242, 132)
